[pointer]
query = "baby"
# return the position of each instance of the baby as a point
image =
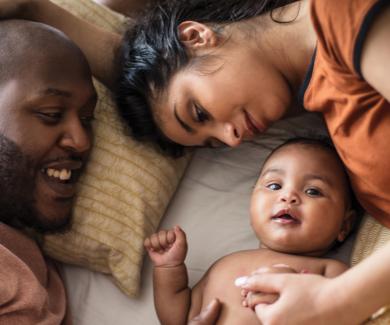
(301, 207)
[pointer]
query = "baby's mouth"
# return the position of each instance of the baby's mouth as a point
(286, 218)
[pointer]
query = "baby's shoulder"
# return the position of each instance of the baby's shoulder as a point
(240, 261)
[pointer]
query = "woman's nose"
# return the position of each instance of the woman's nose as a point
(230, 135)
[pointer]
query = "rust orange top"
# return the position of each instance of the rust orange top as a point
(357, 116)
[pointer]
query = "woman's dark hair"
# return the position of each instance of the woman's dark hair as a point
(152, 53)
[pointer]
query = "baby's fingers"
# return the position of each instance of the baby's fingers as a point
(166, 238)
(255, 298)
(153, 243)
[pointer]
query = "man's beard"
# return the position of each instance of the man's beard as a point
(17, 188)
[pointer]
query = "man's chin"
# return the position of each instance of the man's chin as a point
(45, 225)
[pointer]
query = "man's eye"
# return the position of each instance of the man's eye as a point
(87, 120)
(274, 186)
(200, 114)
(313, 192)
(50, 117)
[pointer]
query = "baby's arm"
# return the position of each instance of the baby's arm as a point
(167, 250)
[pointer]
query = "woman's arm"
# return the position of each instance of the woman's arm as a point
(376, 54)
(125, 7)
(98, 45)
(347, 299)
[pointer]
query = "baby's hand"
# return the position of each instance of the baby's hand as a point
(167, 247)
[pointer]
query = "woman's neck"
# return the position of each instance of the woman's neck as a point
(290, 46)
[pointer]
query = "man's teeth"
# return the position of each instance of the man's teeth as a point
(63, 174)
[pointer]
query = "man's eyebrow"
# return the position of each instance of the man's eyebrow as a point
(184, 125)
(55, 92)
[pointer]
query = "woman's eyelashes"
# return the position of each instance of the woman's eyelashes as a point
(200, 114)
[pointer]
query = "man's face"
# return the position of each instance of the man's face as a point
(46, 113)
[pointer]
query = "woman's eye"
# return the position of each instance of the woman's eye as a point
(200, 114)
(313, 192)
(274, 186)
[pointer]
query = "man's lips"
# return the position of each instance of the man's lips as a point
(61, 177)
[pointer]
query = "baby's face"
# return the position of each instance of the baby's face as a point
(299, 203)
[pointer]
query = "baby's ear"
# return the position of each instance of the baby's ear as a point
(349, 221)
(196, 35)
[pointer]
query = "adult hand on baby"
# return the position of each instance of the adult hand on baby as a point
(253, 298)
(303, 299)
(167, 247)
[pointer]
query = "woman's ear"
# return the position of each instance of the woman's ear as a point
(349, 221)
(196, 35)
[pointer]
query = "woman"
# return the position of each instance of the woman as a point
(209, 72)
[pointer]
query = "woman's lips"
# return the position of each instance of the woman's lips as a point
(252, 126)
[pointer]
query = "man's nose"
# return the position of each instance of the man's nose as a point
(76, 137)
(230, 135)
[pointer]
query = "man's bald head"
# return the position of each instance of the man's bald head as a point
(26, 43)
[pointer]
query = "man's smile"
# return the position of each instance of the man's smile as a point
(61, 178)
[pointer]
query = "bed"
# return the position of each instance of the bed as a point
(211, 203)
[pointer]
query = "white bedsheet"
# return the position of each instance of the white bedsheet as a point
(212, 206)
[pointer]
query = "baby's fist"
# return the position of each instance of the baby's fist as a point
(167, 247)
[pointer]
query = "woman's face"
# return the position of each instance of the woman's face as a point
(226, 98)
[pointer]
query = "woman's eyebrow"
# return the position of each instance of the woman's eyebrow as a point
(184, 125)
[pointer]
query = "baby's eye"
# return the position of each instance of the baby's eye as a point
(274, 186)
(313, 192)
(200, 114)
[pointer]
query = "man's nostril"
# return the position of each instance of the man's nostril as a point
(236, 134)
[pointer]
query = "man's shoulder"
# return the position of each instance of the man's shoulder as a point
(16, 241)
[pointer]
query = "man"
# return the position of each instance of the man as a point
(47, 101)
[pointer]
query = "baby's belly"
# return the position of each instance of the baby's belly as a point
(232, 313)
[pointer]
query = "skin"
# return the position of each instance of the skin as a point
(125, 7)
(306, 181)
(291, 61)
(198, 94)
(302, 187)
(46, 111)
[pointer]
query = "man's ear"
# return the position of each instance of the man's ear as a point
(349, 221)
(196, 35)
